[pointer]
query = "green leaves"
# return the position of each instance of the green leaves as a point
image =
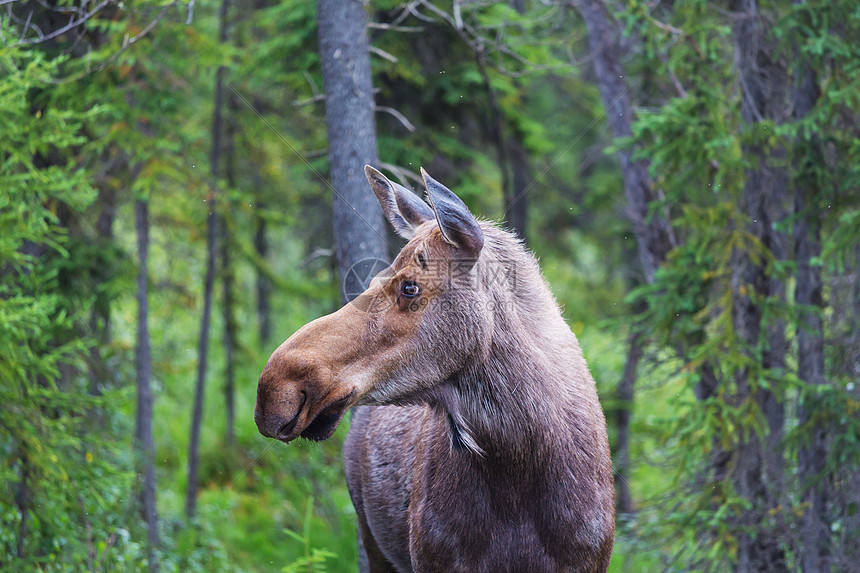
(314, 558)
(706, 313)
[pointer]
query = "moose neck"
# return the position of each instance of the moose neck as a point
(528, 393)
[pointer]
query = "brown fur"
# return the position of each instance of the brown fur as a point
(486, 447)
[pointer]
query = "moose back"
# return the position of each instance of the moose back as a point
(480, 444)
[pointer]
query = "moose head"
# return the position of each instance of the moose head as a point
(407, 333)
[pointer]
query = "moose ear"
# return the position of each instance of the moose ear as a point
(458, 226)
(403, 208)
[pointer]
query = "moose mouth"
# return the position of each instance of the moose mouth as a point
(323, 424)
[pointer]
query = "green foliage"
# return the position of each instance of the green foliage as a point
(313, 558)
(697, 146)
(90, 123)
(64, 486)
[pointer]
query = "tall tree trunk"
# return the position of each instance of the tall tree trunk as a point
(517, 204)
(359, 231)
(211, 247)
(228, 278)
(100, 314)
(758, 473)
(496, 122)
(812, 457)
(518, 207)
(229, 322)
(624, 394)
(100, 318)
(229, 319)
(264, 288)
(653, 234)
(815, 531)
(143, 428)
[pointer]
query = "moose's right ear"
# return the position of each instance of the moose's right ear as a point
(459, 228)
(403, 208)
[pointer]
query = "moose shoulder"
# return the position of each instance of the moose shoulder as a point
(484, 447)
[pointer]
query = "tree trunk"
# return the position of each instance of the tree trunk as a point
(359, 230)
(143, 429)
(653, 234)
(261, 246)
(230, 328)
(810, 368)
(514, 204)
(812, 457)
(624, 394)
(211, 247)
(518, 208)
(104, 232)
(100, 314)
(758, 473)
(228, 278)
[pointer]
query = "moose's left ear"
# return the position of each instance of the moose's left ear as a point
(458, 226)
(403, 208)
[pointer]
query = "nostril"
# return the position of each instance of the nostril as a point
(285, 430)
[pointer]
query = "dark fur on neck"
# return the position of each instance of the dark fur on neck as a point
(512, 399)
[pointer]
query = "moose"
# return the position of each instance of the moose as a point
(478, 443)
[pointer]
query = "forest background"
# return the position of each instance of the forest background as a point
(686, 171)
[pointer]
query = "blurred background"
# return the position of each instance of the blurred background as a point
(181, 189)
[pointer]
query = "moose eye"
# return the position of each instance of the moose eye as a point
(410, 289)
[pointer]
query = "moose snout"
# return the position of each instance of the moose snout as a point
(302, 391)
(285, 390)
(292, 390)
(277, 413)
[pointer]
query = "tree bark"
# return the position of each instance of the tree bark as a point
(104, 232)
(100, 314)
(228, 279)
(624, 394)
(229, 322)
(211, 247)
(758, 475)
(261, 246)
(518, 207)
(653, 234)
(812, 456)
(515, 205)
(359, 230)
(143, 429)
